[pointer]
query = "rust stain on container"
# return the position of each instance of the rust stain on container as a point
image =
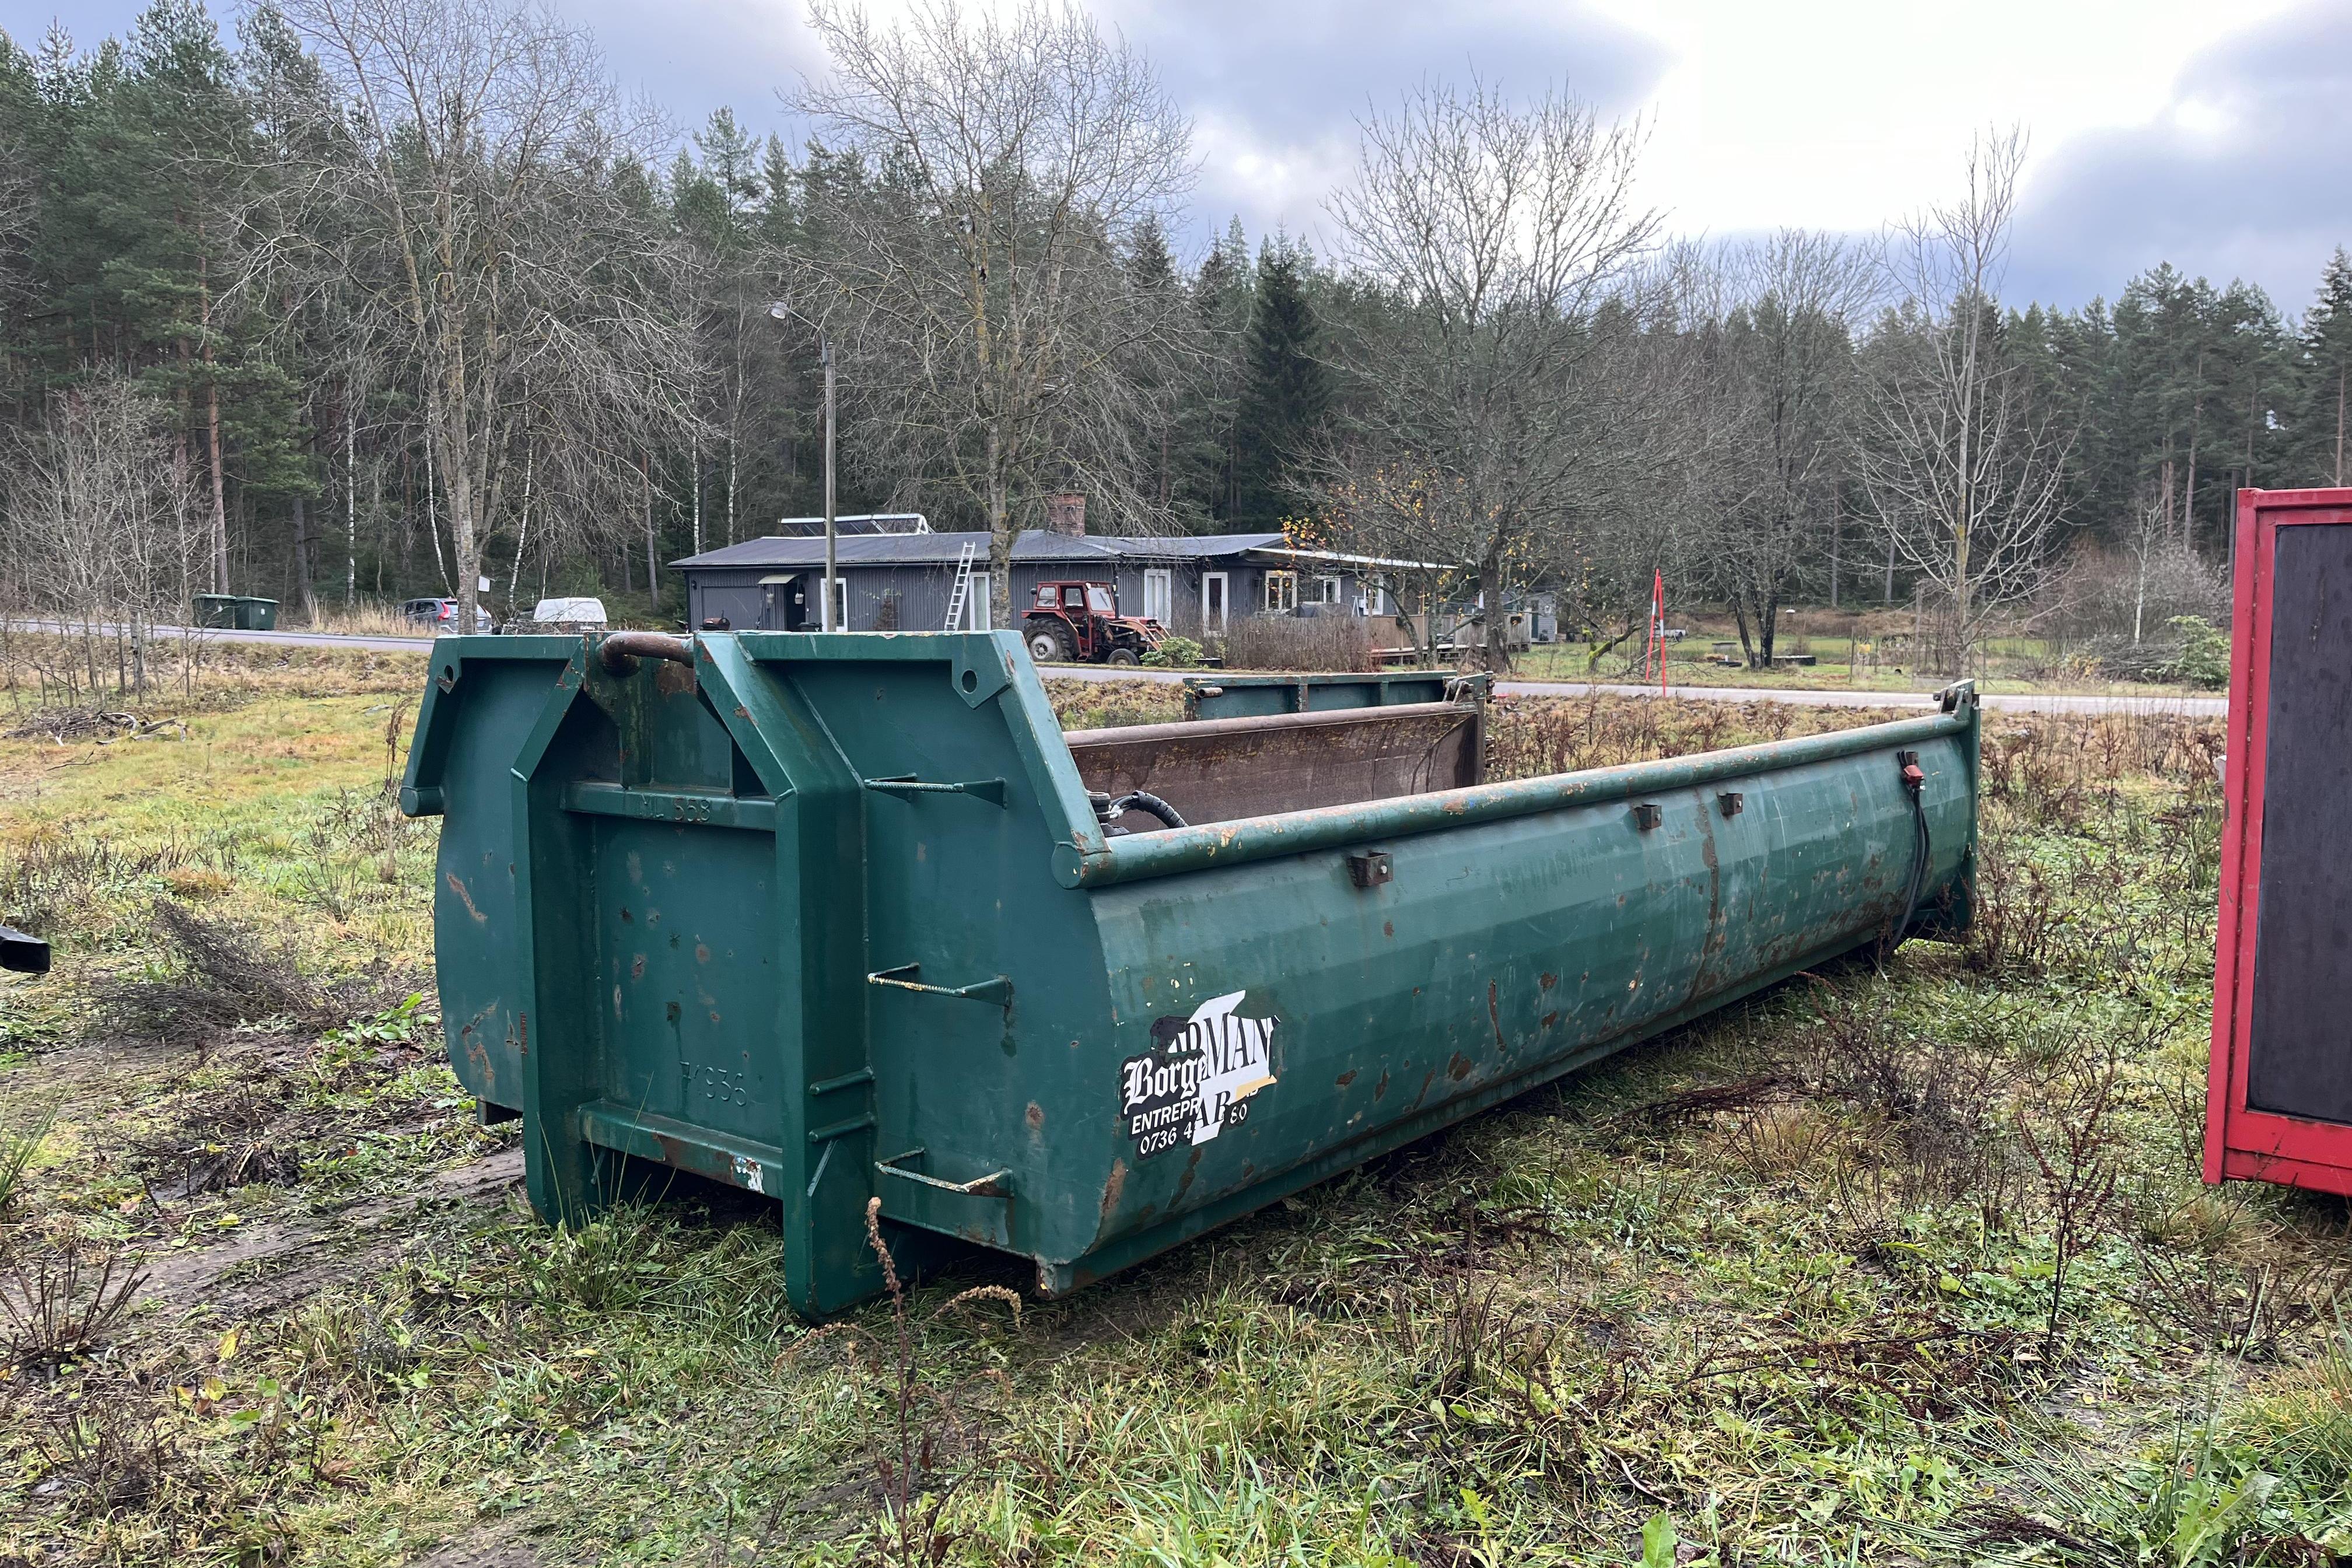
(457, 887)
(1112, 1189)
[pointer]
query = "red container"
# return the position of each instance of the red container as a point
(2279, 1096)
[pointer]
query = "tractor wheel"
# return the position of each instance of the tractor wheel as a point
(1121, 656)
(1049, 643)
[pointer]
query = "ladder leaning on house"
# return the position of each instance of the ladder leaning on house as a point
(960, 598)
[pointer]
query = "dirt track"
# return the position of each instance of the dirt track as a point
(276, 1264)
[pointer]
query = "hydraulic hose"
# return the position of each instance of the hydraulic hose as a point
(1915, 782)
(1109, 811)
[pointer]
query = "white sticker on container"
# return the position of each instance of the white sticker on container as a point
(1198, 1078)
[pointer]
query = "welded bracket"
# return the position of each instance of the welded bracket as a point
(980, 1210)
(989, 789)
(997, 990)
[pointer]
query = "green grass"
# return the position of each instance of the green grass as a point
(1778, 1286)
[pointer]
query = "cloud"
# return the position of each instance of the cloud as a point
(1275, 87)
(2245, 173)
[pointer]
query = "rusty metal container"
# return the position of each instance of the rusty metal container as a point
(834, 918)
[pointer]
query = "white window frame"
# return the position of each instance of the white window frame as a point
(840, 601)
(1376, 599)
(977, 608)
(1158, 593)
(1281, 596)
(1330, 588)
(1216, 622)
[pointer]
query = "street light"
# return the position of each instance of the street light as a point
(780, 311)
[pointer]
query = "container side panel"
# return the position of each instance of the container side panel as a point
(1270, 1012)
(2300, 1060)
(479, 965)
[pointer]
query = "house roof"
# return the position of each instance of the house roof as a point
(1035, 545)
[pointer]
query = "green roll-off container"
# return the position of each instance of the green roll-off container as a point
(236, 612)
(831, 918)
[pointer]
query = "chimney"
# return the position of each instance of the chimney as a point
(1067, 514)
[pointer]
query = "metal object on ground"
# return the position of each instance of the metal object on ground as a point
(830, 919)
(24, 953)
(2279, 1093)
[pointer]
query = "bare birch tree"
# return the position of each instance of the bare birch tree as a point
(500, 242)
(102, 523)
(972, 255)
(1502, 236)
(1777, 331)
(1964, 468)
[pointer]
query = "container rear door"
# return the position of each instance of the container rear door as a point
(690, 989)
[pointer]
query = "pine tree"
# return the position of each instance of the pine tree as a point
(1161, 371)
(2324, 428)
(1287, 389)
(1202, 488)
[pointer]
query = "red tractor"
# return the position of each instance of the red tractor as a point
(1080, 623)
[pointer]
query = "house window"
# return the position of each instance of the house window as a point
(1160, 595)
(1376, 600)
(1331, 589)
(1281, 593)
(840, 604)
(1212, 603)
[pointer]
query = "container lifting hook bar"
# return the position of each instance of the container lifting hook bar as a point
(989, 789)
(997, 989)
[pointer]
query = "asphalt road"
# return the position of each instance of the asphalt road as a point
(2008, 703)
(284, 639)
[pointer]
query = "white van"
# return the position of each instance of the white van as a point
(569, 615)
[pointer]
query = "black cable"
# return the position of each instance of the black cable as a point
(1922, 851)
(1150, 806)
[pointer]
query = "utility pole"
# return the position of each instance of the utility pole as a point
(781, 311)
(824, 350)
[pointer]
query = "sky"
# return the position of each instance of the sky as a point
(2215, 136)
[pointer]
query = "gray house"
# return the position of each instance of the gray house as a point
(905, 581)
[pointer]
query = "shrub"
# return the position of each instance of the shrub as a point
(2204, 658)
(1299, 642)
(1175, 653)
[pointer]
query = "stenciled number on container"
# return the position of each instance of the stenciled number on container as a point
(1198, 1078)
(717, 1083)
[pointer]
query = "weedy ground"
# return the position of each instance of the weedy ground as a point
(1899, 1267)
